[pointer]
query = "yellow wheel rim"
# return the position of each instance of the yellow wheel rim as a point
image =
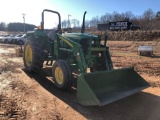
(59, 75)
(28, 55)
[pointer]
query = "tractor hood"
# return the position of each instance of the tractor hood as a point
(79, 36)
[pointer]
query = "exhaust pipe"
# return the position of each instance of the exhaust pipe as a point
(83, 25)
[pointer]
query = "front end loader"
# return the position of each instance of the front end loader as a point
(85, 56)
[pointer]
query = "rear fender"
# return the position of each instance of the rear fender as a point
(41, 35)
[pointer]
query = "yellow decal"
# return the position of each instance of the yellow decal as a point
(66, 41)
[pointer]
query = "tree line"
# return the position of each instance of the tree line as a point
(16, 27)
(146, 21)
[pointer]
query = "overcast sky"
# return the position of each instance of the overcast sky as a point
(11, 10)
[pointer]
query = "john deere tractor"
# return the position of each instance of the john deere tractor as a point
(84, 55)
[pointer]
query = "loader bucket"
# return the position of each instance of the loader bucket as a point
(103, 87)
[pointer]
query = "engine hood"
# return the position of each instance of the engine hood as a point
(78, 36)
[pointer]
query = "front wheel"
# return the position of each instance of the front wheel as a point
(62, 75)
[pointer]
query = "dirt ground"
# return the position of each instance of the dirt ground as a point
(25, 96)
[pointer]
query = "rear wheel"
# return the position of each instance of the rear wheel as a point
(33, 56)
(62, 75)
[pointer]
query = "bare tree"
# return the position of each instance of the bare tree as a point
(64, 23)
(116, 16)
(148, 14)
(147, 19)
(94, 21)
(75, 23)
(103, 19)
(128, 15)
(87, 23)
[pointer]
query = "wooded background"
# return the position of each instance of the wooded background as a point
(146, 21)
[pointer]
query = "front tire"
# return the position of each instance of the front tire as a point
(33, 55)
(62, 75)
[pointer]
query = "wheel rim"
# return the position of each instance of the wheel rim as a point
(59, 75)
(28, 55)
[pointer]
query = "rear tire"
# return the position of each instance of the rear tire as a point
(33, 55)
(62, 75)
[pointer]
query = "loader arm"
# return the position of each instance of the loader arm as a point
(76, 49)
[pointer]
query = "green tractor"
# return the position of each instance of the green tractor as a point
(87, 57)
